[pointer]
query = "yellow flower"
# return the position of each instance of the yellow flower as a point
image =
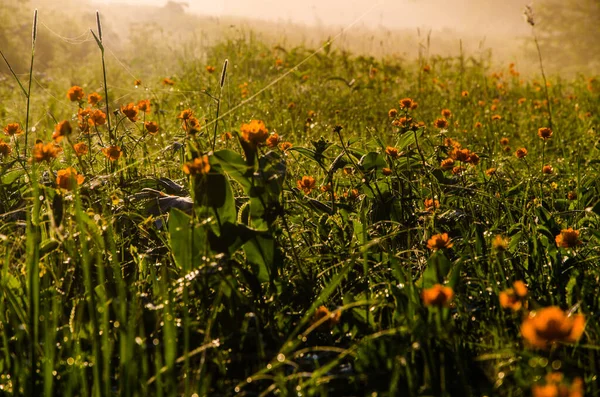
(550, 325)
(199, 166)
(439, 241)
(438, 295)
(68, 178)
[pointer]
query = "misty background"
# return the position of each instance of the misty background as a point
(153, 33)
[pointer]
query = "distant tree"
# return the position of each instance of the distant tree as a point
(569, 31)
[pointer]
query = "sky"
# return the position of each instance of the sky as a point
(482, 16)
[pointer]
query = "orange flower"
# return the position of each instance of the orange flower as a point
(521, 101)
(490, 171)
(137, 82)
(62, 129)
(226, 136)
(255, 132)
(447, 164)
(210, 69)
(5, 149)
(572, 195)
(392, 152)
(464, 94)
(521, 153)
(438, 295)
(431, 204)
(151, 127)
(332, 318)
(199, 166)
(451, 143)
(144, 105)
(97, 117)
(496, 117)
(551, 325)
(406, 103)
(386, 171)
(168, 81)
(306, 184)
(568, 238)
(547, 169)
(555, 386)
(273, 140)
(439, 241)
(504, 141)
(441, 123)
(75, 93)
(192, 126)
(46, 152)
(446, 113)
(460, 154)
(458, 170)
(285, 146)
(478, 125)
(545, 133)
(512, 298)
(80, 148)
(426, 68)
(13, 129)
(94, 98)
(112, 152)
(130, 111)
(392, 113)
(68, 178)
(500, 243)
(185, 114)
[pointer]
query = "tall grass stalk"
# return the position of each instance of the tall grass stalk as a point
(98, 38)
(33, 39)
(221, 83)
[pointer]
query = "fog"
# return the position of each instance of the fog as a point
(481, 16)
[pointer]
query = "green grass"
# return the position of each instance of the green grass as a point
(211, 287)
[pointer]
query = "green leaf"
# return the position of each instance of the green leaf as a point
(214, 191)
(235, 166)
(372, 160)
(186, 243)
(260, 253)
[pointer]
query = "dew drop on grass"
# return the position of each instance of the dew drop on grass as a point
(236, 389)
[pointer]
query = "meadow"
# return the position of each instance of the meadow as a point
(270, 220)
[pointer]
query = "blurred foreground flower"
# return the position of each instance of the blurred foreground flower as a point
(438, 295)
(550, 325)
(68, 178)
